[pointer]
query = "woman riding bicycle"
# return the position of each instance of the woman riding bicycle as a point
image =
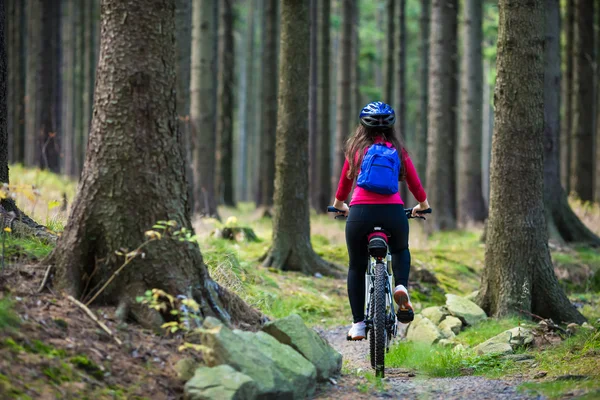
(377, 159)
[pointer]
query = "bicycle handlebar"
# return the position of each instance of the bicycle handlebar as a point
(408, 212)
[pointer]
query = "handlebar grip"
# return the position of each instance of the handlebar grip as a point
(428, 211)
(332, 209)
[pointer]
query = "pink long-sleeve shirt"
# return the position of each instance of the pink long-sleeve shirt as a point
(363, 196)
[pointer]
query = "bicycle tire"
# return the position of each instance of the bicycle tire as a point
(379, 319)
(372, 332)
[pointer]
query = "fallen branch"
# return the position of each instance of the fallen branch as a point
(45, 280)
(94, 318)
(549, 323)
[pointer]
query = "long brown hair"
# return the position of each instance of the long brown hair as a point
(364, 137)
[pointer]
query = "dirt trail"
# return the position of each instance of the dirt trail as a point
(401, 384)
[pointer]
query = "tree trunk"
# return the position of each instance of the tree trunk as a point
(324, 99)
(225, 105)
(79, 147)
(88, 68)
(68, 99)
(183, 18)
(15, 35)
(582, 148)
(246, 105)
(202, 108)
(312, 109)
(291, 249)
(269, 104)
(421, 139)
(441, 175)
(3, 94)
(471, 208)
(563, 224)
(567, 97)
(518, 273)
(32, 100)
(388, 61)
(400, 80)
(344, 86)
(486, 143)
(135, 113)
(253, 106)
(355, 78)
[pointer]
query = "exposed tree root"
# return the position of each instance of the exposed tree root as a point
(295, 258)
(21, 225)
(565, 226)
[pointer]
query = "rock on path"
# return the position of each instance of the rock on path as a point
(398, 385)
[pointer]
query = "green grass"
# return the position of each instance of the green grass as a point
(8, 318)
(473, 335)
(28, 248)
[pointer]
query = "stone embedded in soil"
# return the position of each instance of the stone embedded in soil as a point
(520, 336)
(422, 330)
(472, 296)
(447, 343)
(518, 357)
(493, 348)
(450, 325)
(506, 341)
(435, 314)
(221, 382)
(185, 368)
(464, 309)
(292, 331)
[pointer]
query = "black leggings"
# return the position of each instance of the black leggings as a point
(361, 221)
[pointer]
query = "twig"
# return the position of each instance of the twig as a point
(45, 280)
(532, 315)
(93, 317)
(550, 323)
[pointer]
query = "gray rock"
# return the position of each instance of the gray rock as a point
(450, 325)
(185, 368)
(588, 326)
(518, 357)
(464, 309)
(506, 340)
(472, 296)
(424, 331)
(435, 314)
(221, 382)
(520, 336)
(572, 328)
(493, 348)
(294, 367)
(447, 343)
(292, 331)
(245, 357)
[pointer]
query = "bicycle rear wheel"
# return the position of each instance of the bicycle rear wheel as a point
(379, 320)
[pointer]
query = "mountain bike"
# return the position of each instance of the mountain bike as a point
(380, 317)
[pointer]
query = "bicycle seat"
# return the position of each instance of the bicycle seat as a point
(378, 243)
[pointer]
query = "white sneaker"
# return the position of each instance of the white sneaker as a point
(357, 332)
(405, 311)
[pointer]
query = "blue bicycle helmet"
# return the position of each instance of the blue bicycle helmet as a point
(377, 114)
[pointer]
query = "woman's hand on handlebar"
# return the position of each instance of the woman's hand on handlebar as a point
(424, 205)
(340, 205)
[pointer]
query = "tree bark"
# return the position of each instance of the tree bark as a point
(324, 99)
(582, 147)
(421, 139)
(253, 105)
(183, 18)
(135, 113)
(471, 208)
(269, 105)
(225, 105)
(400, 81)
(202, 108)
(355, 74)
(3, 94)
(388, 61)
(15, 34)
(87, 75)
(32, 103)
(291, 249)
(441, 177)
(518, 273)
(68, 93)
(486, 143)
(312, 109)
(563, 225)
(79, 147)
(344, 86)
(567, 97)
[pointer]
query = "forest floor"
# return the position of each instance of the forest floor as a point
(49, 348)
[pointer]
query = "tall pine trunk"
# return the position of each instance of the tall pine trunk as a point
(135, 113)
(312, 107)
(344, 85)
(324, 103)
(15, 35)
(400, 80)
(441, 177)
(355, 74)
(388, 61)
(421, 136)
(471, 208)
(202, 107)
(291, 248)
(32, 79)
(269, 105)
(225, 105)
(582, 147)
(567, 96)
(518, 273)
(68, 88)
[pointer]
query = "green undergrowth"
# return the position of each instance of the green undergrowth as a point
(473, 335)
(8, 318)
(24, 249)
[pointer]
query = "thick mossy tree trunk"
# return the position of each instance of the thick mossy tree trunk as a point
(567, 96)
(563, 224)
(291, 249)
(269, 105)
(471, 208)
(344, 86)
(324, 109)
(421, 136)
(225, 105)
(202, 108)
(518, 273)
(582, 137)
(441, 177)
(134, 175)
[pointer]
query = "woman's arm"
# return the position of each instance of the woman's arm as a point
(344, 186)
(413, 181)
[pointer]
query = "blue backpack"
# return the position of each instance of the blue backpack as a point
(380, 170)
